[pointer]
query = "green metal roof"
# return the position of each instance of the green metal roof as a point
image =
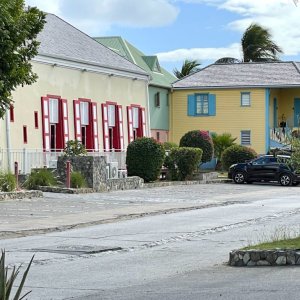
(159, 76)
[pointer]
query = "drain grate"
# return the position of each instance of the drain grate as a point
(77, 249)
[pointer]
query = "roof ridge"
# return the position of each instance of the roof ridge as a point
(296, 67)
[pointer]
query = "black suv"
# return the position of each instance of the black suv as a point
(265, 168)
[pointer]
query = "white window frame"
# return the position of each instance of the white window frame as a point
(245, 102)
(202, 104)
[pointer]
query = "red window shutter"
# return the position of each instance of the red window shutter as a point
(36, 120)
(65, 121)
(143, 119)
(105, 127)
(12, 113)
(95, 126)
(121, 130)
(77, 121)
(46, 123)
(130, 124)
(25, 134)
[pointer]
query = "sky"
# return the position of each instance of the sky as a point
(175, 30)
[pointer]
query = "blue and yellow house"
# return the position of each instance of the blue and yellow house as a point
(258, 103)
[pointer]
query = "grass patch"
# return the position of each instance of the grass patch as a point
(282, 237)
(282, 244)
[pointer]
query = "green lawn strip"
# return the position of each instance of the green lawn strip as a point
(282, 244)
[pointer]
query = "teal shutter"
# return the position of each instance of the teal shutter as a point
(211, 104)
(191, 105)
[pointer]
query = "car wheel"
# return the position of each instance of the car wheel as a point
(285, 179)
(239, 177)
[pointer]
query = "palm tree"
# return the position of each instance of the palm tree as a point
(188, 67)
(257, 45)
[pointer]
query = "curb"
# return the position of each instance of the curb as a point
(252, 258)
(20, 195)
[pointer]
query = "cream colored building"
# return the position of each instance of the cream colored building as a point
(84, 91)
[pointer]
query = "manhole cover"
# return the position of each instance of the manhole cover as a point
(77, 250)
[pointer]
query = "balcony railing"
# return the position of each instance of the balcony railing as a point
(37, 158)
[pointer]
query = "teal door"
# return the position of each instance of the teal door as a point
(297, 112)
(275, 113)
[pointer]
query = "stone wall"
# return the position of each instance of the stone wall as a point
(93, 169)
(250, 258)
(129, 183)
(20, 195)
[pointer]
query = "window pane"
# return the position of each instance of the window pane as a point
(111, 116)
(135, 116)
(245, 99)
(84, 113)
(53, 105)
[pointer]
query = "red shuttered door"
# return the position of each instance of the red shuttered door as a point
(143, 121)
(121, 130)
(105, 127)
(65, 121)
(95, 126)
(130, 124)
(46, 123)
(77, 122)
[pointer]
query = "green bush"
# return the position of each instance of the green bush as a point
(170, 145)
(42, 177)
(77, 180)
(237, 154)
(199, 139)
(74, 148)
(144, 158)
(184, 161)
(7, 182)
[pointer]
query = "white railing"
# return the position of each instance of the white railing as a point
(281, 135)
(28, 159)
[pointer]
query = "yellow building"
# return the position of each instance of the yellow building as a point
(258, 103)
(84, 91)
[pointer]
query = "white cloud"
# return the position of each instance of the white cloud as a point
(281, 17)
(96, 17)
(201, 54)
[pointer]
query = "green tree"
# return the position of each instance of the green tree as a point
(188, 67)
(257, 45)
(222, 142)
(19, 27)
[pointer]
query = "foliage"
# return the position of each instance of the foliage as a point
(295, 156)
(7, 182)
(77, 180)
(296, 133)
(7, 281)
(74, 148)
(144, 158)
(19, 28)
(188, 67)
(42, 177)
(183, 162)
(236, 154)
(170, 145)
(257, 45)
(222, 142)
(199, 139)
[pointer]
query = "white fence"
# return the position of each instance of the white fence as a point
(37, 158)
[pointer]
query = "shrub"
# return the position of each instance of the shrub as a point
(185, 161)
(237, 154)
(144, 158)
(7, 182)
(8, 278)
(77, 180)
(222, 142)
(170, 145)
(74, 148)
(199, 139)
(42, 177)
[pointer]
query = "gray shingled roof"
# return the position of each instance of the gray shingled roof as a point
(268, 74)
(60, 39)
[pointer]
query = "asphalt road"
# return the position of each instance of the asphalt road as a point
(169, 256)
